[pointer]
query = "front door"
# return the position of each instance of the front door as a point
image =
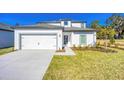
(66, 39)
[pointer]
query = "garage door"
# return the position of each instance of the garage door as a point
(38, 42)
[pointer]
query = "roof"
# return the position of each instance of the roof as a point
(39, 26)
(6, 27)
(73, 21)
(47, 26)
(48, 22)
(58, 21)
(76, 29)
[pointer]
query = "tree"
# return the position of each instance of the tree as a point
(95, 24)
(116, 21)
(107, 33)
(104, 34)
(111, 34)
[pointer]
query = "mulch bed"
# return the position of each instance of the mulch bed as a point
(117, 47)
(101, 49)
(63, 50)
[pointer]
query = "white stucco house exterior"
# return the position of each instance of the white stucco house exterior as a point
(6, 36)
(54, 35)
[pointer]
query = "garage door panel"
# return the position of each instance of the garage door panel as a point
(38, 41)
(27, 42)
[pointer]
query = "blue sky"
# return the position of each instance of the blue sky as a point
(32, 18)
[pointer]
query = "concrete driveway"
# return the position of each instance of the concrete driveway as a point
(25, 64)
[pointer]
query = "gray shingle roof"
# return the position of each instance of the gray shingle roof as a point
(39, 26)
(47, 26)
(6, 27)
(58, 21)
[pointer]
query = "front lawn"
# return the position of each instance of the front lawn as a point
(87, 65)
(6, 50)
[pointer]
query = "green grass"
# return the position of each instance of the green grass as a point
(87, 65)
(5, 50)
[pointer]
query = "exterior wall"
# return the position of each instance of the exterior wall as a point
(6, 39)
(62, 23)
(76, 24)
(91, 38)
(18, 32)
(94, 42)
(70, 24)
(83, 25)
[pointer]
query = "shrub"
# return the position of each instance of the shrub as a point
(79, 47)
(112, 40)
(105, 44)
(116, 45)
(98, 44)
(89, 46)
(74, 46)
(109, 44)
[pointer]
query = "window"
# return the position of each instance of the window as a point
(83, 39)
(65, 23)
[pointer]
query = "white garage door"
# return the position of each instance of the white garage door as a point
(38, 42)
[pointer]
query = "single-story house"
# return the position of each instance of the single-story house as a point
(54, 35)
(6, 36)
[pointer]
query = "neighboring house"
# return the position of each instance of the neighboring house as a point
(54, 35)
(6, 36)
